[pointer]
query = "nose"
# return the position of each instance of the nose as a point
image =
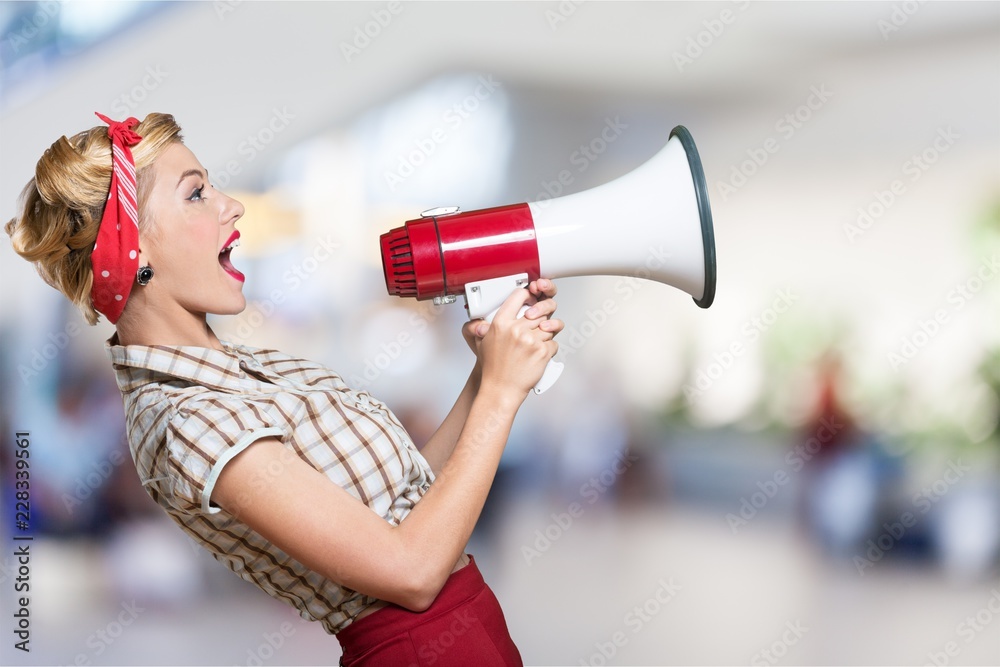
(232, 209)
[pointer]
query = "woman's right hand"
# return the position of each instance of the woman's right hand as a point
(513, 351)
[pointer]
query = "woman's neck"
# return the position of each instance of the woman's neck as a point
(144, 324)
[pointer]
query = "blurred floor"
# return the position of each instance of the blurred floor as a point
(670, 585)
(737, 596)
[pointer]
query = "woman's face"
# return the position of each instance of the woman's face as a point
(192, 223)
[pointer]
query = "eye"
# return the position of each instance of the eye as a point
(197, 194)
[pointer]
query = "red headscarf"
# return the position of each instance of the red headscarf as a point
(116, 254)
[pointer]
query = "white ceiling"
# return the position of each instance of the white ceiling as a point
(227, 64)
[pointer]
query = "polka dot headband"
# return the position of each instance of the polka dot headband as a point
(116, 254)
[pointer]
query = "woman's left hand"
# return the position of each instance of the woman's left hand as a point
(543, 288)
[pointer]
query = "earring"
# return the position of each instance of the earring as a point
(144, 275)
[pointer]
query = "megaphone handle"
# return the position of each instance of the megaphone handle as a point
(553, 369)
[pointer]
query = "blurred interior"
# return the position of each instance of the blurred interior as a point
(811, 466)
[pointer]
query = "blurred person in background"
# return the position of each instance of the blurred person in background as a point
(838, 501)
(296, 482)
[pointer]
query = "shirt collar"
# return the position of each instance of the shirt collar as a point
(138, 365)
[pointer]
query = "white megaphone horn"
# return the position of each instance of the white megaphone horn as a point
(654, 223)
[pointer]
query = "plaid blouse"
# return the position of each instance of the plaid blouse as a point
(190, 410)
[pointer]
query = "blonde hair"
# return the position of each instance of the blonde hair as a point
(60, 208)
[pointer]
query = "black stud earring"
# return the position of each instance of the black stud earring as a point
(144, 275)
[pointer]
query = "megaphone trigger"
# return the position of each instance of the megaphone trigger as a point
(483, 297)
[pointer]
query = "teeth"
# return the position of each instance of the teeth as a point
(234, 244)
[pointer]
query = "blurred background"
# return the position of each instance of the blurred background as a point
(806, 473)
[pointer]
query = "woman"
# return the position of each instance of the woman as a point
(296, 482)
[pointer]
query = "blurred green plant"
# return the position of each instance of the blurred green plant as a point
(985, 234)
(989, 372)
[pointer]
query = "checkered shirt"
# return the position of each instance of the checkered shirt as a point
(190, 410)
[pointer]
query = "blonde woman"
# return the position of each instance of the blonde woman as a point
(299, 484)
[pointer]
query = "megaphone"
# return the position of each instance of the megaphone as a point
(654, 222)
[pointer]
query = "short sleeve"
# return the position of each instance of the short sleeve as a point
(202, 438)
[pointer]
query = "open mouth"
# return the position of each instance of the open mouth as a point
(227, 266)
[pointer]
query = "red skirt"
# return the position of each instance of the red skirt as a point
(464, 626)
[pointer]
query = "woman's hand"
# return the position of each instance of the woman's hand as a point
(515, 353)
(440, 446)
(540, 290)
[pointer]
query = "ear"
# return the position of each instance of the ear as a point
(143, 258)
(147, 249)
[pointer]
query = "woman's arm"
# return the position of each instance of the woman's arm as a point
(325, 528)
(440, 445)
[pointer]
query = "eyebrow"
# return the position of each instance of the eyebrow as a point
(192, 172)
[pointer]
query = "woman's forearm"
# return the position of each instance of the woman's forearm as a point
(436, 530)
(439, 447)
